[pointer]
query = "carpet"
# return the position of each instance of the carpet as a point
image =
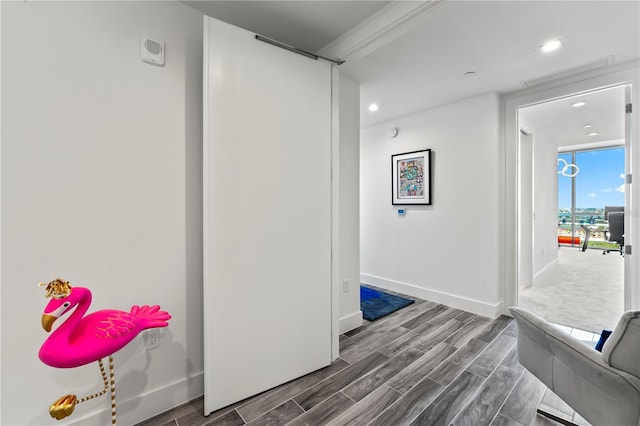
(375, 304)
(583, 290)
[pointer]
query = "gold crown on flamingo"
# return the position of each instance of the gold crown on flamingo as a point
(58, 289)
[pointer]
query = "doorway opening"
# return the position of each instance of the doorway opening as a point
(572, 173)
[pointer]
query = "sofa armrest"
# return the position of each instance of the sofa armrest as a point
(555, 345)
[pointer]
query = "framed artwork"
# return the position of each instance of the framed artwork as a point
(411, 178)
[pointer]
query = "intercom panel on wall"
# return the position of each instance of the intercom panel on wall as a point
(151, 51)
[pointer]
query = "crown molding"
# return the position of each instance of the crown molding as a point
(392, 21)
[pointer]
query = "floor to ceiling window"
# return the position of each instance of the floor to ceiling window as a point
(588, 181)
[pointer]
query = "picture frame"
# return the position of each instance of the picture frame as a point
(411, 178)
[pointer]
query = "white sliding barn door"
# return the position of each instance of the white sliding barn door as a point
(267, 215)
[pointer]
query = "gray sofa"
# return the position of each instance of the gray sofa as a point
(604, 388)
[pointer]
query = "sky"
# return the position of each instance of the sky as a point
(599, 182)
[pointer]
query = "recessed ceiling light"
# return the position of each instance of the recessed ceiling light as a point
(586, 126)
(593, 134)
(373, 107)
(578, 104)
(550, 46)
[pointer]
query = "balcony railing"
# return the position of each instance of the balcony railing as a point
(571, 232)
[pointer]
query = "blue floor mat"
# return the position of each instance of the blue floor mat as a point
(375, 304)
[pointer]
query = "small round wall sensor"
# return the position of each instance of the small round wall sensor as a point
(393, 132)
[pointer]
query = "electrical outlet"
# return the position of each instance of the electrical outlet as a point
(345, 286)
(151, 339)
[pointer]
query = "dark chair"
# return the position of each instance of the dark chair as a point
(609, 209)
(616, 230)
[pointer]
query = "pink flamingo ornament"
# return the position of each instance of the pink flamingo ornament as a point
(81, 339)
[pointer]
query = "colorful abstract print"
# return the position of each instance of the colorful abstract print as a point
(411, 178)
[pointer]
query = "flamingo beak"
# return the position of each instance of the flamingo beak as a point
(47, 322)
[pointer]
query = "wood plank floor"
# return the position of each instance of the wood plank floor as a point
(426, 364)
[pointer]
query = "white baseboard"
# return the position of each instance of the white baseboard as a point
(145, 406)
(543, 270)
(470, 305)
(349, 322)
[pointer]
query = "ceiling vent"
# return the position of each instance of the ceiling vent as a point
(600, 63)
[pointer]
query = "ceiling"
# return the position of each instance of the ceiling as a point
(307, 25)
(410, 56)
(564, 125)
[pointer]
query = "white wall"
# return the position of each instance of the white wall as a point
(544, 175)
(101, 185)
(447, 252)
(349, 204)
(545, 203)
